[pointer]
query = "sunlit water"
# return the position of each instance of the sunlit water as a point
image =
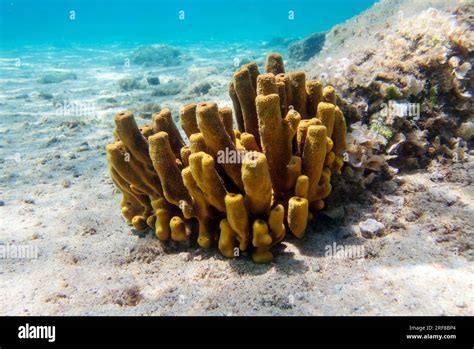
(93, 41)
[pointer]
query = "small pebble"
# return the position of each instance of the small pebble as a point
(371, 228)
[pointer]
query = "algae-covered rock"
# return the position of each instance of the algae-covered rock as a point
(200, 88)
(466, 130)
(153, 80)
(280, 42)
(168, 89)
(403, 69)
(162, 55)
(305, 49)
(130, 83)
(54, 77)
(147, 110)
(45, 95)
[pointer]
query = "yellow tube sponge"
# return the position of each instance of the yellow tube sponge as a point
(178, 229)
(239, 118)
(252, 67)
(262, 241)
(237, 216)
(187, 118)
(207, 179)
(257, 183)
(326, 115)
(248, 141)
(163, 218)
(274, 64)
(314, 90)
(339, 139)
(246, 94)
(129, 133)
(282, 94)
(226, 239)
(298, 91)
(128, 168)
(165, 165)
(294, 170)
(298, 209)
(225, 114)
(185, 153)
(285, 79)
(314, 153)
(266, 84)
(276, 139)
(197, 143)
(163, 121)
(329, 95)
(324, 187)
(201, 208)
(276, 223)
(301, 188)
(146, 131)
(302, 131)
(139, 222)
(241, 187)
(217, 138)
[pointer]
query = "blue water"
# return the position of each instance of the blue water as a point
(94, 47)
(93, 43)
(51, 22)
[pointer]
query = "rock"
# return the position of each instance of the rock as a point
(195, 73)
(200, 88)
(147, 110)
(70, 156)
(130, 83)
(2, 203)
(45, 95)
(156, 55)
(168, 89)
(305, 49)
(51, 141)
(371, 228)
(413, 215)
(444, 196)
(279, 41)
(153, 80)
(335, 213)
(107, 102)
(54, 77)
(436, 176)
(84, 146)
(466, 130)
